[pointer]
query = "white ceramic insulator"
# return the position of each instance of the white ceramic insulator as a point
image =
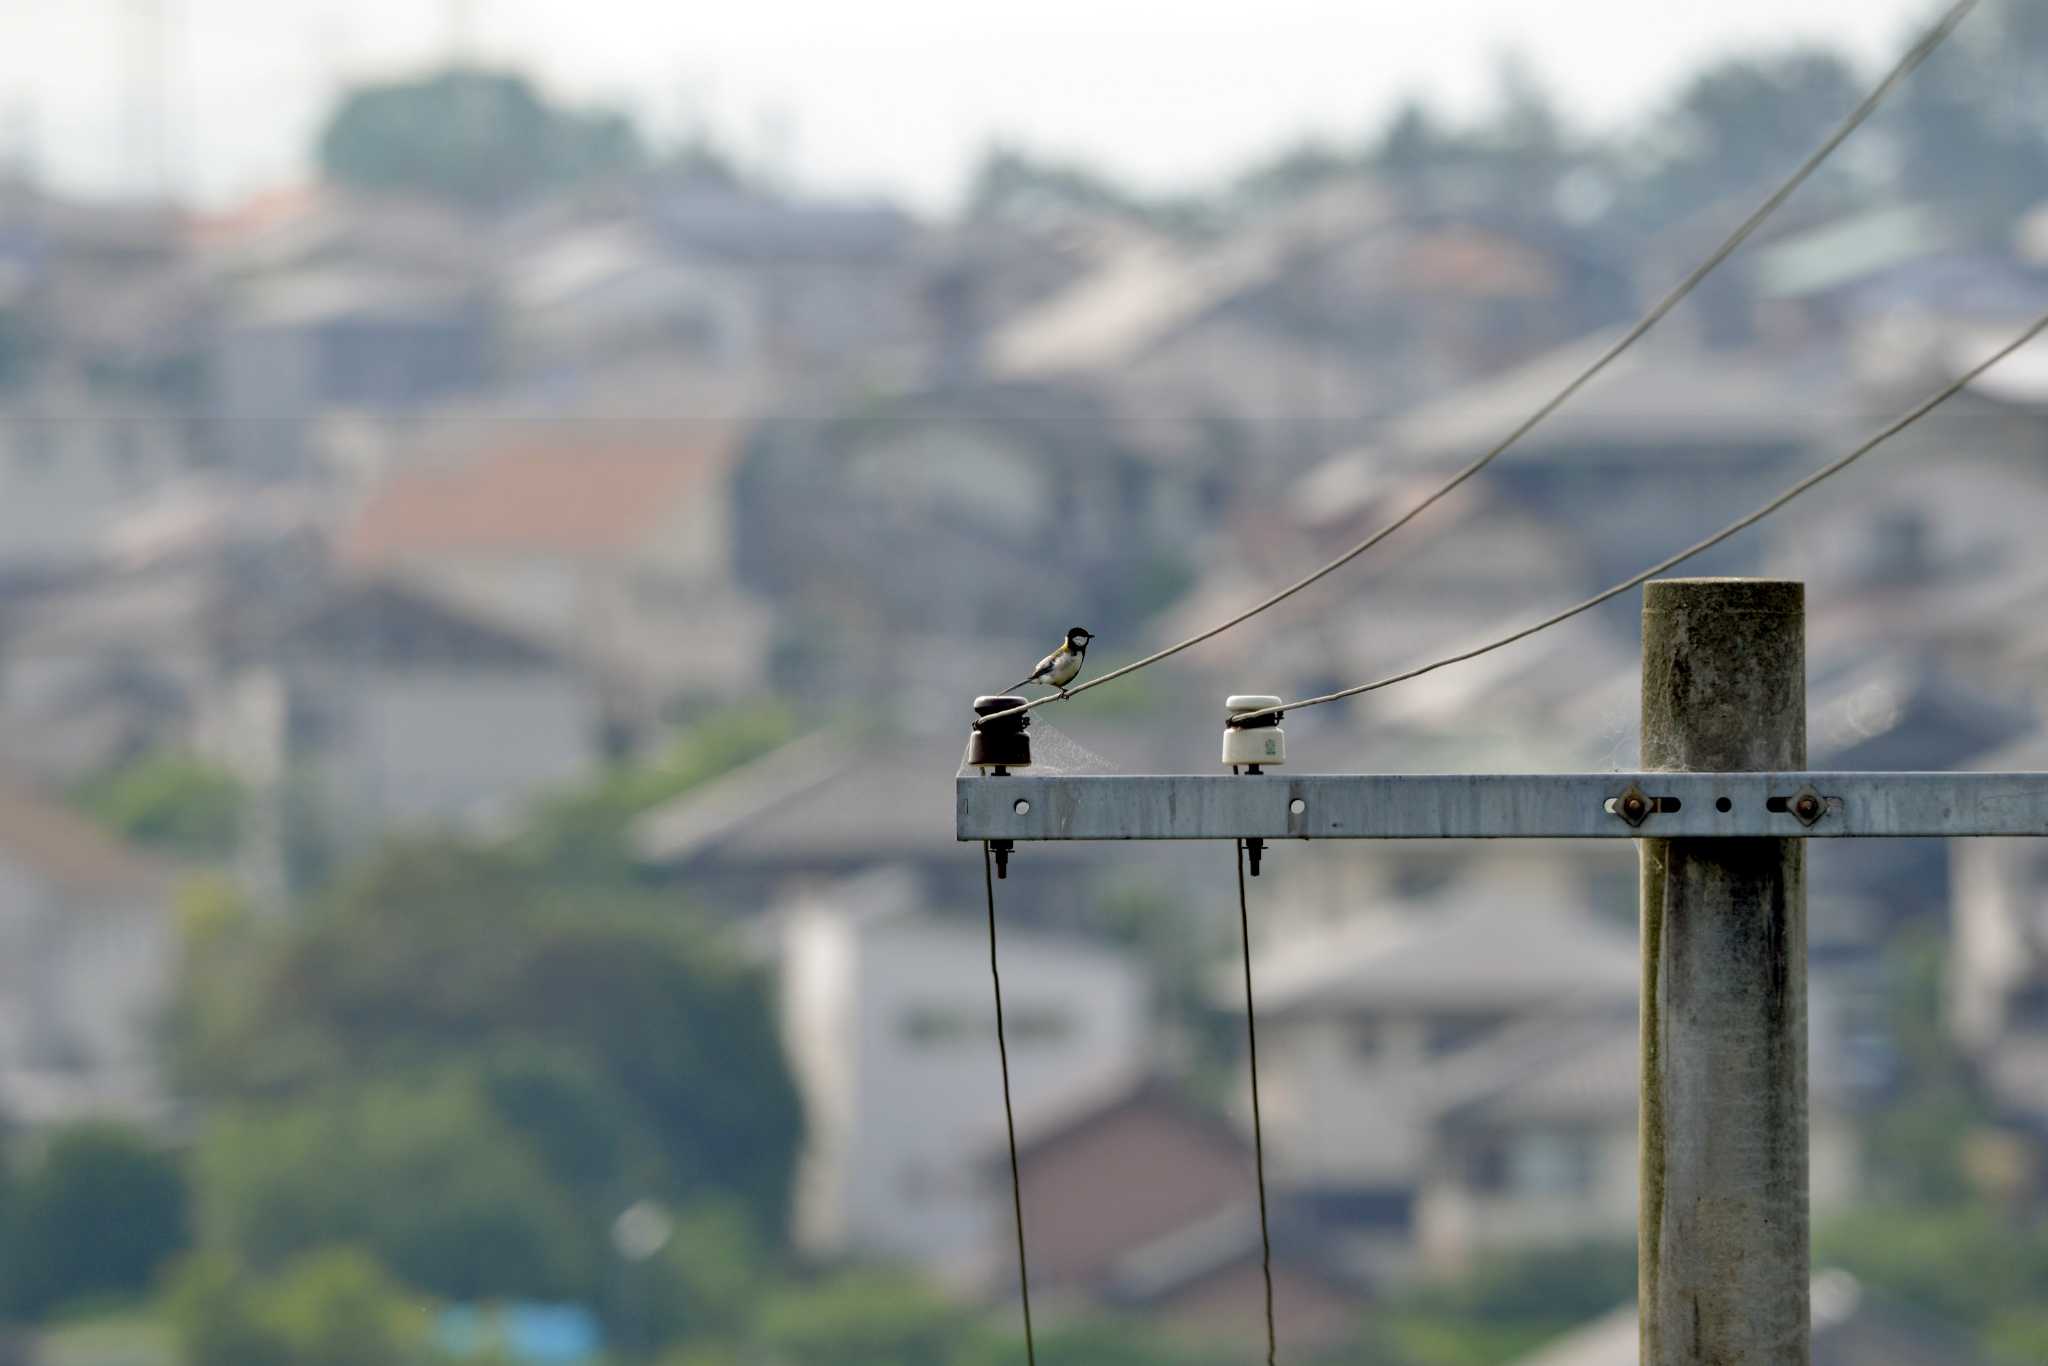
(1258, 744)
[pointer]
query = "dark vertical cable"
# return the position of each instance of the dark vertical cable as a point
(1251, 1035)
(988, 878)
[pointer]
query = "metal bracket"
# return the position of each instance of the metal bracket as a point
(1502, 806)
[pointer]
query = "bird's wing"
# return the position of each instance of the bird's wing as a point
(1044, 668)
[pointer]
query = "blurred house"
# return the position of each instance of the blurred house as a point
(833, 283)
(592, 298)
(613, 544)
(887, 1019)
(1469, 1059)
(403, 712)
(73, 467)
(824, 808)
(1327, 311)
(104, 666)
(1851, 1327)
(945, 513)
(1359, 1021)
(1534, 1140)
(1670, 443)
(1140, 1201)
(89, 946)
(333, 304)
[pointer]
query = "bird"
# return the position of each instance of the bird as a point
(1063, 665)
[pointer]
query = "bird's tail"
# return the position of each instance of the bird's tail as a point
(1025, 684)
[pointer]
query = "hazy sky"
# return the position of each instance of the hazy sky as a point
(889, 95)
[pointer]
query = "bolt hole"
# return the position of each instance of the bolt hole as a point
(1022, 808)
(1297, 806)
(1723, 804)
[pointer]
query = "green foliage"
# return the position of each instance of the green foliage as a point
(332, 1307)
(582, 835)
(169, 800)
(860, 1318)
(1968, 1263)
(1506, 1307)
(447, 1015)
(424, 1175)
(1913, 1142)
(97, 1216)
(478, 138)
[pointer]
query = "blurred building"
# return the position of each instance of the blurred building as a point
(611, 543)
(88, 941)
(887, 1020)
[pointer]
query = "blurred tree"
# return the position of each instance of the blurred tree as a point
(333, 1307)
(1504, 1308)
(1965, 1262)
(1972, 124)
(423, 1175)
(98, 1215)
(861, 1318)
(1012, 184)
(172, 800)
(603, 1019)
(483, 139)
(1738, 125)
(581, 835)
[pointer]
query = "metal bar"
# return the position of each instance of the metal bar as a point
(1498, 806)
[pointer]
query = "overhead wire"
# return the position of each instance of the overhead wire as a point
(1251, 1035)
(1009, 1111)
(1855, 119)
(1825, 472)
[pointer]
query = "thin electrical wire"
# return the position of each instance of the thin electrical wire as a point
(1251, 1036)
(1855, 119)
(1825, 472)
(988, 877)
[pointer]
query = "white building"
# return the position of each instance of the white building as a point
(87, 950)
(888, 1019)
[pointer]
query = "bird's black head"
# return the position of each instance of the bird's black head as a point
(1078, 637)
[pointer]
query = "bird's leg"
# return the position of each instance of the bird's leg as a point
(1065, 696)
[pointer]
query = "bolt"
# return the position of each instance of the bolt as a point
(1807, 807)
(1633, 806)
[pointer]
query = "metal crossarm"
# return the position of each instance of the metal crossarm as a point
(1501, 806)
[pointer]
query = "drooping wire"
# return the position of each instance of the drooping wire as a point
(1855, 119)
(1009, 1113)
(1825, 472)
(1251, 1035)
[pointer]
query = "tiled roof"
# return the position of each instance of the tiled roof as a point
(558, 498)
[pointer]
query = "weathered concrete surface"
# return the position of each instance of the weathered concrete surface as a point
(1723, 1238)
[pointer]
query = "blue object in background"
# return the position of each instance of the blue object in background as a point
(544, 1334)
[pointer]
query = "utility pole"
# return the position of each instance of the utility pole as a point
(1722, 1251)
(1722, 810)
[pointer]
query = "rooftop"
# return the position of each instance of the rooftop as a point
(563, 497)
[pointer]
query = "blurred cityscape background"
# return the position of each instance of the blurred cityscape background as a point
(487, 627)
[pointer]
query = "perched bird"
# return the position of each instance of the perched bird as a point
(1063, 665)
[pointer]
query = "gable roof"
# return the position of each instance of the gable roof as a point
(544, 497)
(377, 621)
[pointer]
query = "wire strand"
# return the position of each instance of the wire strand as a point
(1825, 472)
(1251, 1036)
(1855, 119)
(1009, 1113)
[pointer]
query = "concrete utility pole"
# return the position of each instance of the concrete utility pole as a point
(1723, 1251)
(1723, 809)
